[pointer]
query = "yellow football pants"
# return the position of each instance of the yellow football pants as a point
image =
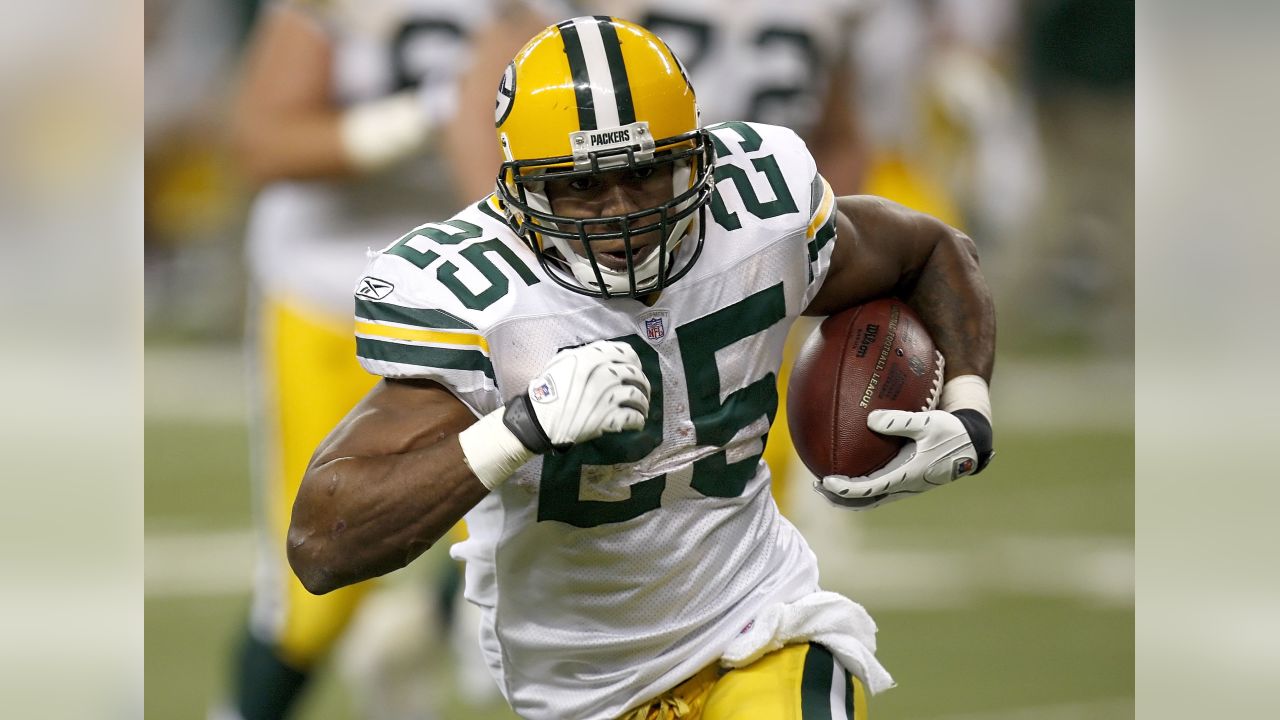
(798, 682)
(308, 379)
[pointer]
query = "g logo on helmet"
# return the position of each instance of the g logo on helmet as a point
(506, 95)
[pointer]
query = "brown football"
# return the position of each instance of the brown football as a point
(876, 356)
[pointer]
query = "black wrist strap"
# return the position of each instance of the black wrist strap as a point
(522, 423)
(979, 429)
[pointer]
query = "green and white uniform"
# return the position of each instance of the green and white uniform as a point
(613, 572)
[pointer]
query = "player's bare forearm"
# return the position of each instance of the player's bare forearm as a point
(284, 118)
(385, 485)
(298, 147)
(883, 248)
(953, 300)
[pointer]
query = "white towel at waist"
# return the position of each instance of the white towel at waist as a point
(832, 620)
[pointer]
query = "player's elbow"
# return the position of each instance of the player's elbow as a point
(307, 558)
(961, 244)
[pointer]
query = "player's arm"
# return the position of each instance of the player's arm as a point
(385, 484)
(286, 123)
(881, 249)
(411, 459)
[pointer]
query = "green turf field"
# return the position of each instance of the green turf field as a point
(1006, 596)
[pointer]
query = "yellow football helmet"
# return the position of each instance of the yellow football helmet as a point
(592, 95)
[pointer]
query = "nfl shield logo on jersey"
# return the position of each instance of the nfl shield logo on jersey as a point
(655, 327)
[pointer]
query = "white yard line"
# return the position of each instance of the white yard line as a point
(197, 383)
(1096, 569)
(199, 564)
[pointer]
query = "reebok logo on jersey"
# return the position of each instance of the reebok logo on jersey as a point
(373, 288)
(542, 390)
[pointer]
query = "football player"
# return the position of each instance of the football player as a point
(758, 60)
(583, 364)
(335, 121)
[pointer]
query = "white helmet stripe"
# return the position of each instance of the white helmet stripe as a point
(602, 81)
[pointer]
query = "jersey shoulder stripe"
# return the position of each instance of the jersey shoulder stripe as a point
(822, 226)
(822, 211)
(388, 321)
(418, 317)
(423, 337)
(429, 300)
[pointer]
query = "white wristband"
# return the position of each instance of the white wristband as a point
(379, 132)
(491, 450)
(966, 391)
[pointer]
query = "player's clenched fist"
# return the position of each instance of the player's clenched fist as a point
(583, 393)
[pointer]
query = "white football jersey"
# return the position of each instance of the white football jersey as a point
(759, 60)
(610, 573)
(308, 238)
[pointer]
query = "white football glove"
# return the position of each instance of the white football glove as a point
(583, 393)
(944, 446)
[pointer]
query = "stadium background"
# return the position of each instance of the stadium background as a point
(1008, 596)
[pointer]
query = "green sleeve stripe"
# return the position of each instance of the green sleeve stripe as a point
(424, 356)
(418, 317)
(820, 240)
(815, 195)
(824, 234)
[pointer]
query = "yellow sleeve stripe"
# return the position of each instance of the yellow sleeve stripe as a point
(825, 207)
(441, 337)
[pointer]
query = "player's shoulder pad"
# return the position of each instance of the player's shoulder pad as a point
(747, 150)
(739, 142)
(454, 273)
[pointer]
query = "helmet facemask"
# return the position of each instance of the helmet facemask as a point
(593, 95)
(571, 249)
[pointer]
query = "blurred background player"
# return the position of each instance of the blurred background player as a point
(950, 127)
(339, 104)
(757, 60)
